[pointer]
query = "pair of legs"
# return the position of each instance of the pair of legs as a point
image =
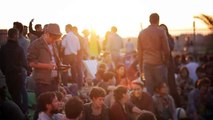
(154, 74)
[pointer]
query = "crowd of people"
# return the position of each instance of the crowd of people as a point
(147, 83)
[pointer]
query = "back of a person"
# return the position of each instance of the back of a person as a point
(151, 42)
(192, 66)
(116, 42)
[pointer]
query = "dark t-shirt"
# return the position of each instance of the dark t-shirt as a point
(10, 111)
(87, 113)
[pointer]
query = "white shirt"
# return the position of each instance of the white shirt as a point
(44, 116)
(115, 42)
(54, 72)
(192, 66)
(70, 43)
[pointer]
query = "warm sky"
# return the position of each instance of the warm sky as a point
(128, 15)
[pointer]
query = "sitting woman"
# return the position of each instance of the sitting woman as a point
(96, 110)
(164, 106)
(121, 76)
(121, 109)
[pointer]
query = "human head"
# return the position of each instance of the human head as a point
(107, 56)
(75, 30)
(68, 28)
(13, 34)
(203, 85)
(120, 69)
(38, 27)
(154, 18)
(100, 71)
(137, 87)
(114, 29)
(48, 102)
(18, 26)
(52, 33)
(86, 32)
(184, 72)
(109, 77)
(147, 116)
(97, 95)
(165, 28)
(73, 108)
(61, 99)
(120, 93)
(200, 72)
(25, 30)
(161, 88)
(189, 58)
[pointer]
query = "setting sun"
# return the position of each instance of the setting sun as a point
(130, 16)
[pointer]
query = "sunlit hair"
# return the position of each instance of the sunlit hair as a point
(97, 92)
(69, 26)
(73, 108)
(114, 29)
(45, 98)
(119, 91)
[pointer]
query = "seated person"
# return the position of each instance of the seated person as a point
(73, 109)
(198, 100)
(48, 102)
(147, 116)
(108, 80)
(140, 98)
(164, 106)
(121, 109)
(9, 110)
(96, 110)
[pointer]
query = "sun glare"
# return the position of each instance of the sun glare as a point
(130, 16)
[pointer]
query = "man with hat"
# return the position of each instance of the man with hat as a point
(43, 58)
(139, 97)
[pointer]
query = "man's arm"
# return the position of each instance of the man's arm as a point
(33, 58)
(31, 28)
(48, 66)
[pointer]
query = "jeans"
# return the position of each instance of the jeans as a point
(154, 74)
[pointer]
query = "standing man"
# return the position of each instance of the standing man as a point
(114, 45)
(153, 53)
(43, 58)
(13, 64)
(24, 43)
(71, 45)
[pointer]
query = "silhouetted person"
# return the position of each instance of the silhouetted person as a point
(171, 68)
(38, 29)
(13, 64)
(8, 109)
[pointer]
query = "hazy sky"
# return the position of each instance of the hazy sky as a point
(128, 15)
